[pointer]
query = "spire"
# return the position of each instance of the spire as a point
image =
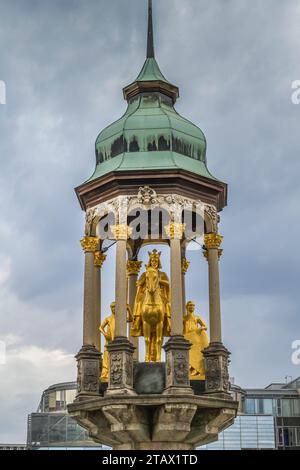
(150, 41)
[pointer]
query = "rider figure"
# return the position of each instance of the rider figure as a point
(164, 285)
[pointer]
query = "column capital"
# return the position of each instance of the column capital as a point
(99, 259)
(205, 253)
(90, 244)
(121, 231)
(175, 230)
(212, 241)
(133, 267)
(185, 264)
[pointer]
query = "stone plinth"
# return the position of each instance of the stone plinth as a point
(88, 372)
(216, 358)
(177, 365)
(120, 367)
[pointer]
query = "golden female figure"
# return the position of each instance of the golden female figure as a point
(194, 330)
(108, 328)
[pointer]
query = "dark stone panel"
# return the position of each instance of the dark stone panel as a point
(198, 386)
(149, 377)
(102, 388)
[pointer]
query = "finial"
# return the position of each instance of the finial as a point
(150, 41)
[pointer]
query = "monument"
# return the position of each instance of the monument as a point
(176, 395)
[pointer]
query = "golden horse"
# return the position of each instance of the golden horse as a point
(153, 316)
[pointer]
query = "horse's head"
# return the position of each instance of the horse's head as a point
(152, 280)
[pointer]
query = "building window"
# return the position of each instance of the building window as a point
(250, 406)
(288, 437)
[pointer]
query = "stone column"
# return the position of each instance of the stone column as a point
(133, 269)
(120, 349)
(177, 348)
(99, 259)
(89, 358)
(184, 266)
(89, 245)
(216, 356)
(213, 252)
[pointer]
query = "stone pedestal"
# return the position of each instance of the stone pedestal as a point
(216, 358)
(177, 366)
(120, 367)
(88, 372)
(155, 422)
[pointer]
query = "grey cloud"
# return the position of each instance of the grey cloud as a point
(65, 63)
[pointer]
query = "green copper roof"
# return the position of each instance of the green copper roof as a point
(151, 134)
(151, 72)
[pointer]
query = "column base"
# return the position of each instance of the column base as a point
(88, 372)
(216, 358)
(177, 366)
(120, 381)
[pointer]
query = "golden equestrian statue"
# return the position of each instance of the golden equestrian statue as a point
(194, 330)
(152, 309)
(108, 328)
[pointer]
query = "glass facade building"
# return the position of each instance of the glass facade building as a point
(247, 432)
(268, 418)
(51, 427)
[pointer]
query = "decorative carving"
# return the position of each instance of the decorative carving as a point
(133, 267)
(91, 377)
(216, 368)
(147, 196)
(121, 232)
(91, 215)
(120, 366)
(89, 244)
(185, 264)
(99, 259)
(181, 366)
(116, 368)
(212, 241)
(175, 230)
(174, 204)
(177, 363)
(88, 370)
(212, 214)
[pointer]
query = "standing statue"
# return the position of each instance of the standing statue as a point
(152, 310)
(108, 328)
(194, 330)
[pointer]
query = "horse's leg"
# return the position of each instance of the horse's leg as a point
(159, 340)
(153, 346)
(147, 331)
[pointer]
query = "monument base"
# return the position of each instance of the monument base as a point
(154, 422)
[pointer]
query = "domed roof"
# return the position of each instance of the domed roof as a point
(151, 134)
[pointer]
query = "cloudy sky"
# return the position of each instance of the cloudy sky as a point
(64, 63)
